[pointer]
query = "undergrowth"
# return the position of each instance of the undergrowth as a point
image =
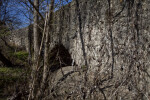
(12, 80)
(22, 55)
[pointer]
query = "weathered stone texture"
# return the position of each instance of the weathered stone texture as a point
(130, 38)
(95, 28)
(20, 37)
(130, 34)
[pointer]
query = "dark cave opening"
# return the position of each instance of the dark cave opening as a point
(59, 57)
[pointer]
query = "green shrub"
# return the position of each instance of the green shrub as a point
(10, 78)
(22, 55)
(8, 70)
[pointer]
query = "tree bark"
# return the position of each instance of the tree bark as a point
(46, 61)
(29, 45)
(36, 30)
(36, 44)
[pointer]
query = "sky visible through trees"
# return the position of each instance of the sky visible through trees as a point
(19, 11)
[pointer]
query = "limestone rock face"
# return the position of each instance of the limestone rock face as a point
(129, 25)
(117, 37)
(20, 37)
(114, 40)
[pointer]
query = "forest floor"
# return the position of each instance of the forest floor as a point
(12, 80)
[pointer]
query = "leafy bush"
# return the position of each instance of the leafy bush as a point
(22, 55)
(12, 79)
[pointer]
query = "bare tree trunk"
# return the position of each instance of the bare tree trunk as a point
(36, 48)
(29, 45)
(37, 53)
(37, 64)
(48, 31)
(30, 31)
(36, 30)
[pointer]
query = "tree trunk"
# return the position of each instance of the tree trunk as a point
(29, 45)
(46, 62)
(36, 44)
(36, 31)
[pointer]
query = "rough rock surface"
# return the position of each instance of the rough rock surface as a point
(115, 39)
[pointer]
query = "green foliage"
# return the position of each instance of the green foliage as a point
(22, 55)
(18, 58)
(9, 74)
(6, 70)
(9, 78)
